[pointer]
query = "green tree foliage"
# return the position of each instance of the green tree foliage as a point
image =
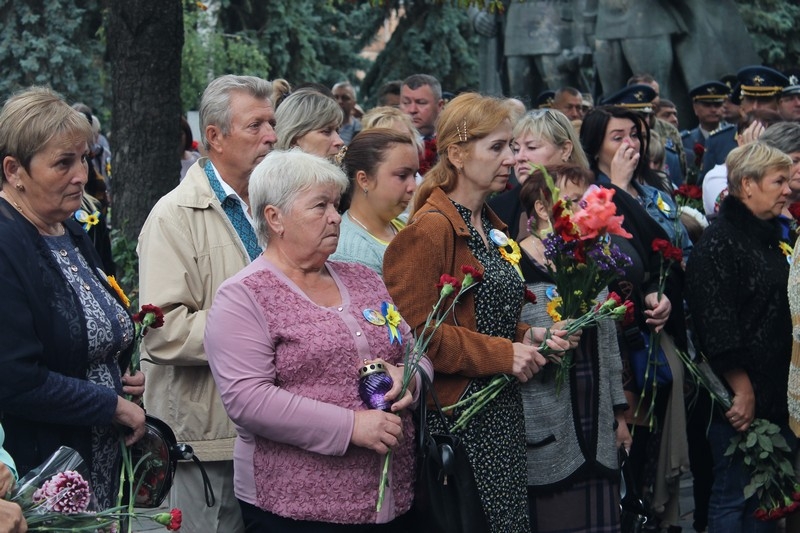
(773, 26)
(214, 53)
(304, 40)
(53, 43)
(432, 38)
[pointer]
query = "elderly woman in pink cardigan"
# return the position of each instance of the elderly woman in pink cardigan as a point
(285, 340)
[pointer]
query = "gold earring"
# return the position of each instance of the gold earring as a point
(20, 187)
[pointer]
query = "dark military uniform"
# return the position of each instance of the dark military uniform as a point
(754, 82)
(712, 92)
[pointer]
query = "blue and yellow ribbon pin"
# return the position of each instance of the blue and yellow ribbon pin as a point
(393, 318)
(88, 220)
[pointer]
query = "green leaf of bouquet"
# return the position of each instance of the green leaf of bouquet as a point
(752, 438)
(763, 455)
(765, 443)
(732, 447)
(750, 489)
(779, 442)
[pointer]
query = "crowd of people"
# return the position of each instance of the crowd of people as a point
(307, 239)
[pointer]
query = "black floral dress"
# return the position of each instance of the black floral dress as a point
(495, 437)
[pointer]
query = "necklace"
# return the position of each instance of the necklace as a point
(392, 229)
(62, 229)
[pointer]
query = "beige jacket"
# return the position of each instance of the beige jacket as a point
(187, 248)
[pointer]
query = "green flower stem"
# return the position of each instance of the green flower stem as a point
(413, 354)
(384, 480)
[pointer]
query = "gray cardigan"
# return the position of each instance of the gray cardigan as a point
(556, 455)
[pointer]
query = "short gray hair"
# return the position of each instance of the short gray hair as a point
(785, 136)
(302, 112)
(215, 105)
(415, 81)
(280, 176)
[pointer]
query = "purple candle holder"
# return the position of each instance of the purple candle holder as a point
(373, 383)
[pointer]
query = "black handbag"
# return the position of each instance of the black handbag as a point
(447, 497)
(634, 514)
(157, 454)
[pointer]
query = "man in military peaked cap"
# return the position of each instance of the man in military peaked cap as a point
(707, 101)
(759, 88)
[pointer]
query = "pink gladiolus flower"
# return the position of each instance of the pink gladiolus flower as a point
(599, 216)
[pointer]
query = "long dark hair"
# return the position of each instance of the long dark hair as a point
(366, 152)
(593, 133)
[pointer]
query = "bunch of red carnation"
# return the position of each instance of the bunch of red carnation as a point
(790, 505)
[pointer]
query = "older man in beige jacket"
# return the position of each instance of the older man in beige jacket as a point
(196, 237)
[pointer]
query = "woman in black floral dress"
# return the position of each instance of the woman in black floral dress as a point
(452, 227)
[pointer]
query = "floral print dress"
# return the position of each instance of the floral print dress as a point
(495, 437)
(110, 330)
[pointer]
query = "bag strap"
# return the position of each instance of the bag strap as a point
(185, 452)
(427, 386)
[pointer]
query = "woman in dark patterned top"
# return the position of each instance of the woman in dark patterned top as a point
(736, 291)
(452, 227)
(65, 334)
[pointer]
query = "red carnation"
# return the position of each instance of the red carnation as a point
(699, 152)
(150, 316)
(794, 210)
(529, 296)
(176, 517)
(690, 191)
(616, 297)
(428, 157)
(659, 245)
(628, 319)
(476, 274)
(445, 281)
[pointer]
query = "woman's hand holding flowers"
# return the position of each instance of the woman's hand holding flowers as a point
(396, 373)
(130, 415)
(574, 339)
(133, 385)
(743, 404)
(376, 430)
(11, 519)
(6, 480)
(657, 311)
(527, 361)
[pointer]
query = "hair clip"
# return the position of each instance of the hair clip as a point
(339, 157)
(462, 131)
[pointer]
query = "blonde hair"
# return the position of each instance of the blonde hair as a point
(31, 118)
(554, 127)
(386, 117)
(302, 112)
(753, 161)
(465, 119)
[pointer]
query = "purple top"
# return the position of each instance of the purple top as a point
(287, 371)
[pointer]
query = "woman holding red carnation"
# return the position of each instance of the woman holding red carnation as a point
(736, 290)
(66, 336)
(615, 140)
(577, 430)
(483, 337)
(285, 338)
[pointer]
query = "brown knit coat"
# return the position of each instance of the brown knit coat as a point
(435, 243)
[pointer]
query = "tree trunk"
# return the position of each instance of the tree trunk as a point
(144, 49)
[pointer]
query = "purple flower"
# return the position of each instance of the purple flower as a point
(66, 492)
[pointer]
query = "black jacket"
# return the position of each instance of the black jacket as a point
(737, 293)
